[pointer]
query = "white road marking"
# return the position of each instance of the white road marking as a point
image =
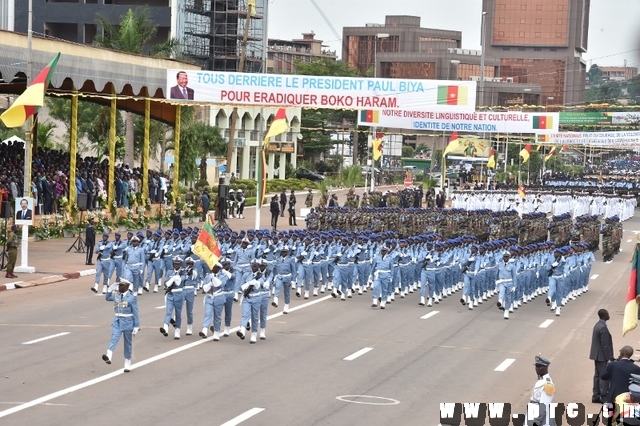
(46, 338)
(594, 276)
(351, 398)
(142, 363)
(629, 240)
(49, 404)
(357, 354)
(546, 324)
(161, 307)
(244, 416)
(429, 315)
(505, 364)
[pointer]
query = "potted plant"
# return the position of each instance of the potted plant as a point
(69, 230)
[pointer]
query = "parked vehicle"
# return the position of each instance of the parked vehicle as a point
(308, 174)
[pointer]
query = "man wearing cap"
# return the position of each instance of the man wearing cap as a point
(190, 279)
(174, 292)
(155, 262)
(506, 281)
(134, 258)
(90, 241)
(105, 263)
(541, 395)
(382, 266)
(601, 352)
(126, 321)
(626, 409)
(12, 250)
(214, 300)
(285, 270)
(251, 290)
(117, 252)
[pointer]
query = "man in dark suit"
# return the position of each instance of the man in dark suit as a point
(601, 352)
(90, 241)
(25, 212)
(274, 208)
(180, 90)
(618, 373)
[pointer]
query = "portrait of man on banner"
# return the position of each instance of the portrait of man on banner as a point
(24, 211)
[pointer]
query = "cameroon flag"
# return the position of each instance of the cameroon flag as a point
(377, 148)
(491, 164)
(525, 153)
(369, 116)
(31, 99)
(543, 122)
(453, 95)
(630, 319)
(550, 154)
(206, 247)
(521, 191)
(453, 144)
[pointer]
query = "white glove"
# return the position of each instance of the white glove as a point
(226, 273)
(219, 265)
(266, 285)
(102, 247)
(304, 253)
(554, 264)
(537, 274)
(339, 254)
(135, 330)
(207, 287)
(113, 287)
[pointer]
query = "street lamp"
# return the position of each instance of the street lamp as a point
(452, 62)
(482, 40)
(375, 129)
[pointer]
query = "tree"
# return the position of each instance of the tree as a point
(610, 92)
(408, 151)
(594, 74)
(6, 133)
(633, 89)
(133, 34)
(45, 135)
(203, 140)
(316, 125)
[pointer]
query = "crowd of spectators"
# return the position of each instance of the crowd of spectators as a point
(50, 179)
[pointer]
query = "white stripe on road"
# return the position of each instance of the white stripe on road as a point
(546, 324)
(629, 240)
(142, 363)
(429, 315)
(161, 307)
(593, 277)
(244, 416)
(87, 272)
(46, 338)
(357, 354)
(505, 364)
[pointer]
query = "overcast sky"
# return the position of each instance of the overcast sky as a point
(613, 31)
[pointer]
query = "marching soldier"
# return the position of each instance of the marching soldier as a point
(126, 321)
(506, 280)
(190, 287)
(134, 258)
(308, 202)
(174, 294)
(105, 263)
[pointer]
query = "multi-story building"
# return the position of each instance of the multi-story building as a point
(282, 54)
(402, 49)
(618, 73)
(540, 42)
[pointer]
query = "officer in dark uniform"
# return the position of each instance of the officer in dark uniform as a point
(90, 241)
(12, 250)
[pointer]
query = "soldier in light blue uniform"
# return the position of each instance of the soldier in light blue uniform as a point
(116, 255)
(317, 256)
(441, 265)
(198, 265)
(470, 270)
(167, 249)
(428, 258)
(342, 270)
(405, 259)
(215, 299)
(252, 297)
(191, 280)
(134, 258)
(155, 263)
(285, 269)
(126, 321)
(265, 295)
(363, 265)
(556, 281)
(174, 294)
(243, 256)
(304, 274)
(382, 266)
(506, 281)
(105, 263)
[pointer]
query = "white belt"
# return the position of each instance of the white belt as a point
(284, 275)
(315, 263)
(430, 269)
(117, 257)
(188, 286)
(364, 261)
(176, 290)
(503, 281)
(242, 265)
(405, 264)
(135, 264)
(124, 315)
(557, 276)
(384, 270)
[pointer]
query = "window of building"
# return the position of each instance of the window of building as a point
(521, 34)
(559, 21)
(521, 49)
(538, 7)
(502, 6)
(558, 35)
(560, 7)
(501, 20)
(553, 49)
(506, 48)
(523, 21)
(500, 33)
(538, 21)
(537, 49)
(523, 7)
(538, 35)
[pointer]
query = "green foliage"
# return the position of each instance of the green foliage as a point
(6, 133)
(429, 182)
(198, 140)
(408, 151)
(159, 136)
(594, 75)
(352, 176)
(45, 135)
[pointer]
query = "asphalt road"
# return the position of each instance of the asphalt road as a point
(298, 376)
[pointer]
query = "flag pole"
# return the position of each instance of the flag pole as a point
(24, 247)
